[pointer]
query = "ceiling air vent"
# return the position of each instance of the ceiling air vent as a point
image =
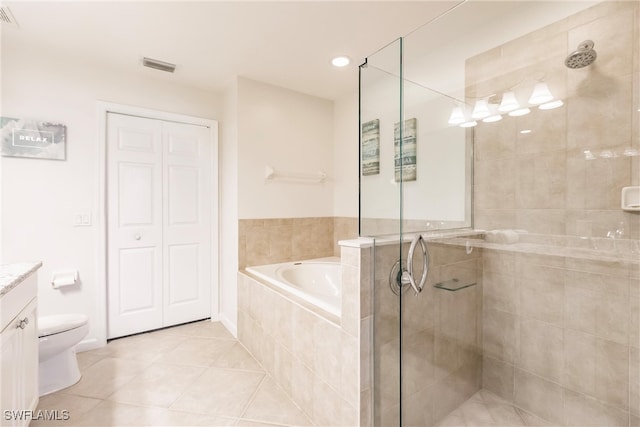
(159, 65)
(6, 17)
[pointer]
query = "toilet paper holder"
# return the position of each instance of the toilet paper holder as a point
(64, 278)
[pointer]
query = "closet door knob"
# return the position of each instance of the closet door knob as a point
(137, 237)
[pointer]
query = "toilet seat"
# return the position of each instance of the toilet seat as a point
(51, 325)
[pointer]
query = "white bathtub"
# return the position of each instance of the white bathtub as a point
(316, 281)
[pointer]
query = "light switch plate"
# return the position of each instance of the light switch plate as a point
(82, 219)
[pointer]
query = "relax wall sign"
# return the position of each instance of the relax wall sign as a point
(33, 138)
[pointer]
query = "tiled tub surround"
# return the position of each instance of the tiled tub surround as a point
(275, 240)
(312, 355)
(442, 336)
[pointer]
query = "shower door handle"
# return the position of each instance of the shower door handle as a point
(407, 275)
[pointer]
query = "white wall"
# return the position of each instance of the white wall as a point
(345, 155)
(289, 131)
(40, 197)
(269, 125)
(229, 210)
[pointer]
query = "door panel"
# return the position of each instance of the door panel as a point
(135, 181)
(183, 195)
(183, 273)
(138, 275)
(187, 223)
(134, 159)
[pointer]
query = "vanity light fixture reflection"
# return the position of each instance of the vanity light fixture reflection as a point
(540, 94)
(519, 112)
(481, 109)
(551, 105)
(508, 103)
(457, 116)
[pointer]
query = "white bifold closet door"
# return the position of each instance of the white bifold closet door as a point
(159, 225)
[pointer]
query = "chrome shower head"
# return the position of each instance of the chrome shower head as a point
(585, 55)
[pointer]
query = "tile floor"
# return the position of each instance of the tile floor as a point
(199, 375)
(487, 409)
(190, 375)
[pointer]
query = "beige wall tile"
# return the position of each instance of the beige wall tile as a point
(542, 293)
(414, 410)
(549, 128)
(634, 320)
(350, 314)
(541, 349)
(543, 221)
(349, 369)
(274, 240)
(491, 219)
(612, 373)
(326, 355)
(587, 101)
(582, 410)
(501, 292)
(330, 409)
(366, 408)
(283, 368)
(541, 181)
(612, 317)
(501, 335)
(495, 142)
(302, 386)
(419, 360)
(634, 379)
(539, 396)
(579, 362)
(497, 377)
(499, 262)
(494, 184)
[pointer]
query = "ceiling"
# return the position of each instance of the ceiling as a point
(288, 44)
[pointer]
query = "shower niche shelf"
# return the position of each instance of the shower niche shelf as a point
(453, 285)
(631, 199)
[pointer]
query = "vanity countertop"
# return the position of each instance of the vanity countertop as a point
(12, 274)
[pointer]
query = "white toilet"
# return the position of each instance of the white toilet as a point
(59, 335)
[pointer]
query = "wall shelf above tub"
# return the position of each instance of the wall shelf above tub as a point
(271, 174)
(631, 199)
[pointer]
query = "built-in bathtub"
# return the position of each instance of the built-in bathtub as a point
(301, 321)
(315, 281)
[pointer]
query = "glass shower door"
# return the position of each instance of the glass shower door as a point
(380, 218)
(538, 307)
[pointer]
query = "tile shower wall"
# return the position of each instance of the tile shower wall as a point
(442, 353)
(565, 177)
(316, 360)
(561, 337)
(275, 240)
(561, 334)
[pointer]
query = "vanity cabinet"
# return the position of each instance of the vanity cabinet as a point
(19, 353)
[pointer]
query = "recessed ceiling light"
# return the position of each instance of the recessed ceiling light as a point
(525, 131)
(340, 61)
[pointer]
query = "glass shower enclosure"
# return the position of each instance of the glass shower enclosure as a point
(500, 182)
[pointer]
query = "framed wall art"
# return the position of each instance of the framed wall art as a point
(371, 147)
(33, 138)
(405, 155)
